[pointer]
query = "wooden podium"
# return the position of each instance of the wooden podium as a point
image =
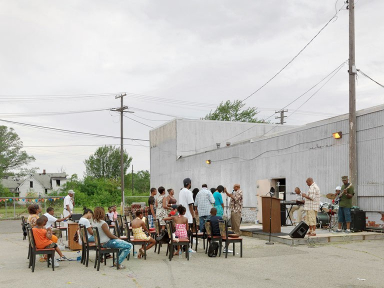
(72, 228)
(276, 214)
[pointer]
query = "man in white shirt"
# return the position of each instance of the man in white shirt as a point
(52, 220)
(68, 203)
(299, 207)
(186, 199)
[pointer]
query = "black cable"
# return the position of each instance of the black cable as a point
(68, 131)
(362, 73)
(286, 65)
(79, 145)
(38, 114)
(138, 121)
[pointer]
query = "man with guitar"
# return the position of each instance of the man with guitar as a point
(345, 203)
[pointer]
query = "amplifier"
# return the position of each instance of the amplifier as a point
(357, 221)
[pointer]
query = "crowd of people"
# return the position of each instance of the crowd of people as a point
(202, 204)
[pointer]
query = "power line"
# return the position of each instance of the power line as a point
(79, 145)
(362, 73)
(68, 131)
(286, 65)
(138, 121)
(38, 114)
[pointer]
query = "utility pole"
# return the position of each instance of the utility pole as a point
(282, 116)
(132, 179)
(121, 110)
(352, 101)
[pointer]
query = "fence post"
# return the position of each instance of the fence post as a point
(14, 208)
(5, 208)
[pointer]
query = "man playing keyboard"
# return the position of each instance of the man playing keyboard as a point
(299, 207)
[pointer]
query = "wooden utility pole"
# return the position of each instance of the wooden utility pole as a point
(352, 102)
(282, 116)
(121, 110)
(132, 179)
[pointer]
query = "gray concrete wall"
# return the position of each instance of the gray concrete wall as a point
(308, 151)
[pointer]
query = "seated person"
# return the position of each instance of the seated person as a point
(181, 225)
(54, 237)
(84, 220)
(34, 211)
(107, 239)
(110, 215)
(52, 220)
(43, 238)
(139, 228)
(215, 224)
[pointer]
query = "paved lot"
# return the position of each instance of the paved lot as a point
(332, 265)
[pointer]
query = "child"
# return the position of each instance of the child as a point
(139, 228)
(43, 238)
(181, 225)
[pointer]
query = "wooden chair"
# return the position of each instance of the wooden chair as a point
(24, 228)
(100, 251)
(86, 245)
(62, 229)
(157, 233)
(50, 252)
(228, 239)
(196, 234)
(120, 226)
(182, 242)
(136, 242)
(211, 238)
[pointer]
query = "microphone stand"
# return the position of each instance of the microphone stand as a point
(270, 222)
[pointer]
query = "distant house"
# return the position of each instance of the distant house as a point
(39, 183)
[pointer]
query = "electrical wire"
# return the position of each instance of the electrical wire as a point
(138, 122)
(80, 145)
(329, 75)
(39, 114)
(68, 131)
(362, 73)
(286, 65)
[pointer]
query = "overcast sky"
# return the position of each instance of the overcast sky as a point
(179, 58)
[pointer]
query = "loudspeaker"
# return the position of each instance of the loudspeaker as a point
(299, 231)
(357, 221)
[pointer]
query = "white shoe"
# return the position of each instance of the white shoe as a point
(229, 251)
(56, 263)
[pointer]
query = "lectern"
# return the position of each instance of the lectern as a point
(267, 201)
(72, 229)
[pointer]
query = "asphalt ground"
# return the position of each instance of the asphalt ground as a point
(354, 264)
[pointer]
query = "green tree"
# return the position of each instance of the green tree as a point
(11, 154)
(141, 181)
(233, 111)
(105, 163)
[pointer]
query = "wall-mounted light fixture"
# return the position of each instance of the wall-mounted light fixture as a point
(337, 135)
(218, 145)
(208, 162)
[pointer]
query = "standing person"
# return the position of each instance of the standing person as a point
(69, 203)
(299, 207)
(219, 204)
(236, 206)
(203, 202)
(186, 200)
(171, 200)
(152, 208)
(52, 220)
(109, 240)
(345, 204)
(311, 205)
(162, 207)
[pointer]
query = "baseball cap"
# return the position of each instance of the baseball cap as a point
(71, 192)
(338, 188)
(187, 181)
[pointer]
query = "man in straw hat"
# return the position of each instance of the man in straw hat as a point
(345, 204)
(68, 203)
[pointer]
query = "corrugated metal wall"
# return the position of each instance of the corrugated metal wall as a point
(308, 151)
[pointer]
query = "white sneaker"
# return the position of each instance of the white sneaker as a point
(191, 250)
(229, 251)
(56, 263)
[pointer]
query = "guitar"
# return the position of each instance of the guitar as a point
(338, 196)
